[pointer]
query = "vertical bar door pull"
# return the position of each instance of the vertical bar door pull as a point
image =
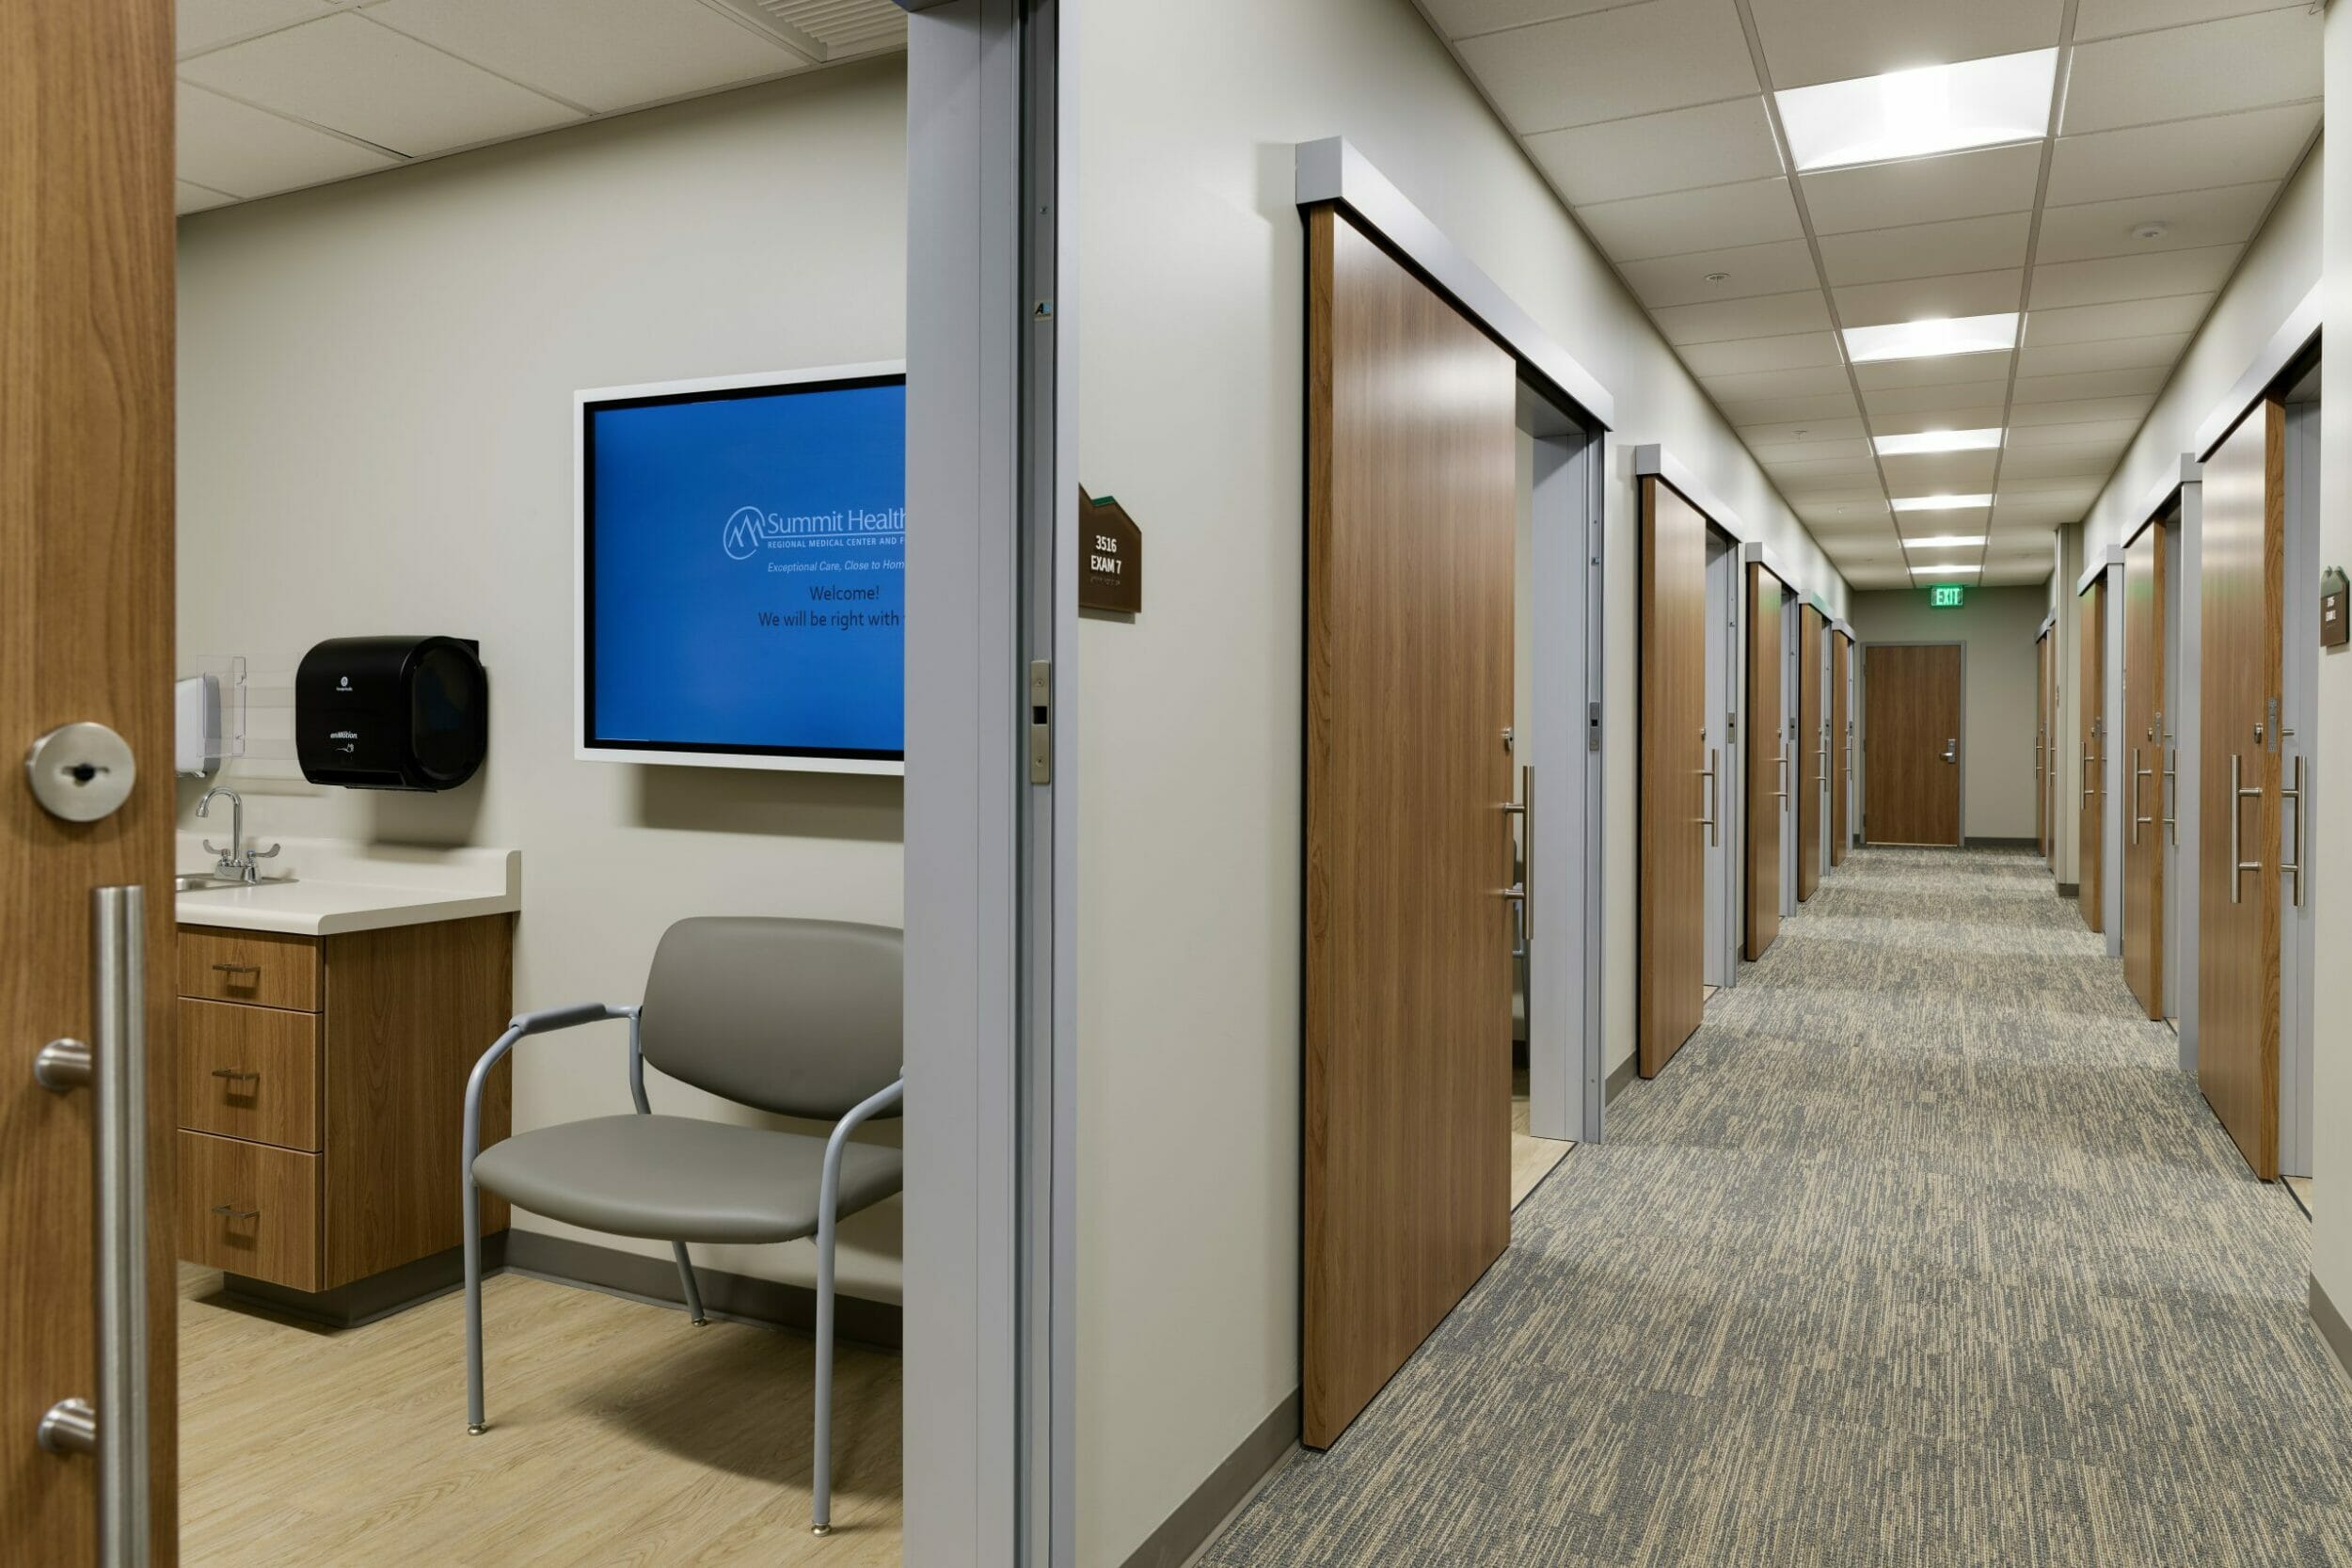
(2172, 812)
(2294, 844)
(2239, 864)
(113, 1428)
(1707, 821)
(2139, 773)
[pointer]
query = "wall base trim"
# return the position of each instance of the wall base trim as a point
(2331, 1326)
(364, 1300)
(1198, 1517)
(1625, 1073)
(2070, 890)
(1974, 842)
(739, 1298)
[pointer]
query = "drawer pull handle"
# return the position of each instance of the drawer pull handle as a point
(237, 969)
(230, 1211)
(234, 1073)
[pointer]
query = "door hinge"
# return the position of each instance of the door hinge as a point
(1040, 720)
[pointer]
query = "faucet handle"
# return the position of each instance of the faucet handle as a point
(253, 854)
(212, 849)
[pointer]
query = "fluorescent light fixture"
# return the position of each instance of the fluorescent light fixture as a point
(1939, 503)
(1947, 541)
(1938, 440)
(1932, 339)
(1943, 571)
(1919, 113)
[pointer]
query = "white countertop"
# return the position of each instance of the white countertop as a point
(340, 886)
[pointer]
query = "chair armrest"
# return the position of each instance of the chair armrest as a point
(545, 1020)
(828, 1183)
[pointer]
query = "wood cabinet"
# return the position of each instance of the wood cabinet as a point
(322, 1094)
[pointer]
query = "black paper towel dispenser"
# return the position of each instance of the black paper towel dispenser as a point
(392, 712)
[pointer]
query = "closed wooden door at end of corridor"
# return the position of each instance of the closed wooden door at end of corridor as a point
(1911, 743)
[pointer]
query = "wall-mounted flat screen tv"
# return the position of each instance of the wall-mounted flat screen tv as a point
(742, 571)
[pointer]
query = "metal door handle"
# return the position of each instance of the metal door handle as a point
(2087, 773)
(2295, 867)
(2238, 794)
(1782, 762)
(113, 1428)
(2171, 772)
(2139, 773)
(1951, 749)
(1714, 834)
(230, 1211)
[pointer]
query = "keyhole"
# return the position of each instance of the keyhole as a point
(82, 772)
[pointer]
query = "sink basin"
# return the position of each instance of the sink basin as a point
(213, 881)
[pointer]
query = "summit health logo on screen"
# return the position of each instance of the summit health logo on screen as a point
(749, 530)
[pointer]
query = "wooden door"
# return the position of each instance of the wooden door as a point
(1911, 743)
(2041, 745)
(2143, 768)
(1767, 793)
(1840, 741)
(2242, 561)
(1677, 797)
(1813, 752)
(86, 634)
(1410, 522)
(2092, 743)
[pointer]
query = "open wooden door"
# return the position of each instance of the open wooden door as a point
(1410, 521)
(1767, 793)
(1911, 743)
(1812, 748)
(1840, 741)
(2143, 768)
(1679, 787)
(2091, 737)
(86, 637)
(2242, 561)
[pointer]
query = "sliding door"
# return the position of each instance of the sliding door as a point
(2091, 739)
(1767, 792)
(2143, 768)
(1813, 748)
(2238, 883)
(1410, 525)
(1840, 741)
(1679, 776)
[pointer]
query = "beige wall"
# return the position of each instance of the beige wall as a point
(375, 385)
(1191, 321)
(1996, 627)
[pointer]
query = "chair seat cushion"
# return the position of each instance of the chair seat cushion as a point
(679, 1179)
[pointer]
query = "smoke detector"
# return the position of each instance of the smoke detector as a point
(2150, 230)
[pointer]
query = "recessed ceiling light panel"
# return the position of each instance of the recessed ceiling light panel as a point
(1943, 571)
(1945, 541)
(1939, 503)
(1937, 440)
(1917, 113)
(1929, 339)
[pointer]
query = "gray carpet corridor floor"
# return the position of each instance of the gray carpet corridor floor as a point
(1921, 1252)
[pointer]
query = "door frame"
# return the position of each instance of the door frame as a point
(1862, 722)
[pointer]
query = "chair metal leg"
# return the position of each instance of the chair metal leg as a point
(821, 1483)
(475, 1422)
(686, 1278)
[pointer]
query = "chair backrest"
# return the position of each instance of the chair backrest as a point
(798, 1016)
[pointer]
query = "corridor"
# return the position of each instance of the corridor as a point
(1922, 1252)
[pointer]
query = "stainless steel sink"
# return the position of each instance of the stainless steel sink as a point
(213, 882)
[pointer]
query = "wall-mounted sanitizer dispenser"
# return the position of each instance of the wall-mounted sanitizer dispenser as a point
(392, 712)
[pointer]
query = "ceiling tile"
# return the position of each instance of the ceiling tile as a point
(189, 198)
(1805, 448)
(1714, 144)
(2092, 460)
(1803, 411)
(2080, 411)
(2039, 512)
(1806, 439)
(1943, 369)
(1614, 64)
(1962, 394)
(2131, 317)
(1860, 510)
(1764, 386)
(234, 146)
(1459, 19)
(348, 74)
(1797, 352)
(2226, 216)
(2099, 19)
(1813, 471)
(2146, 381)
(1926, 249)
(1831, 40)
(2188, 154)
(2081, 487)
(1642, 227)
(2102, 353)
(1924, 190)
(605, 55)
(2144, 276)
(1927, 525)
(2212, 68)
(1765, 316)
(209, 23)
(1928, 473)
(1913, 421)
(1967, 293)
(2093, 433)
(1776, 268)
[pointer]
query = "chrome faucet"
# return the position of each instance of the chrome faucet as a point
(240, 860)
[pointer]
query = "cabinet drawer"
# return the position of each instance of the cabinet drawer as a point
(250, 1209)
(249, 1072)
(259, 967)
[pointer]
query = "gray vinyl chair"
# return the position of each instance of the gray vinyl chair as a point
(796, 1017)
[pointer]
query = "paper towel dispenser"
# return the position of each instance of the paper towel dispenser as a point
(392, 712)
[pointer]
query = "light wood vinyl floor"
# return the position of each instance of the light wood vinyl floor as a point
(619, 1435)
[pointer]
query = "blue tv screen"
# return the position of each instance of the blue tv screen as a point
(743, 572)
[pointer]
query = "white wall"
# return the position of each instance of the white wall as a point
(1191, 318)
(1996, 628)
(375, 437)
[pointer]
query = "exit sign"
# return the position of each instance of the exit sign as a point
(1945, 595)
